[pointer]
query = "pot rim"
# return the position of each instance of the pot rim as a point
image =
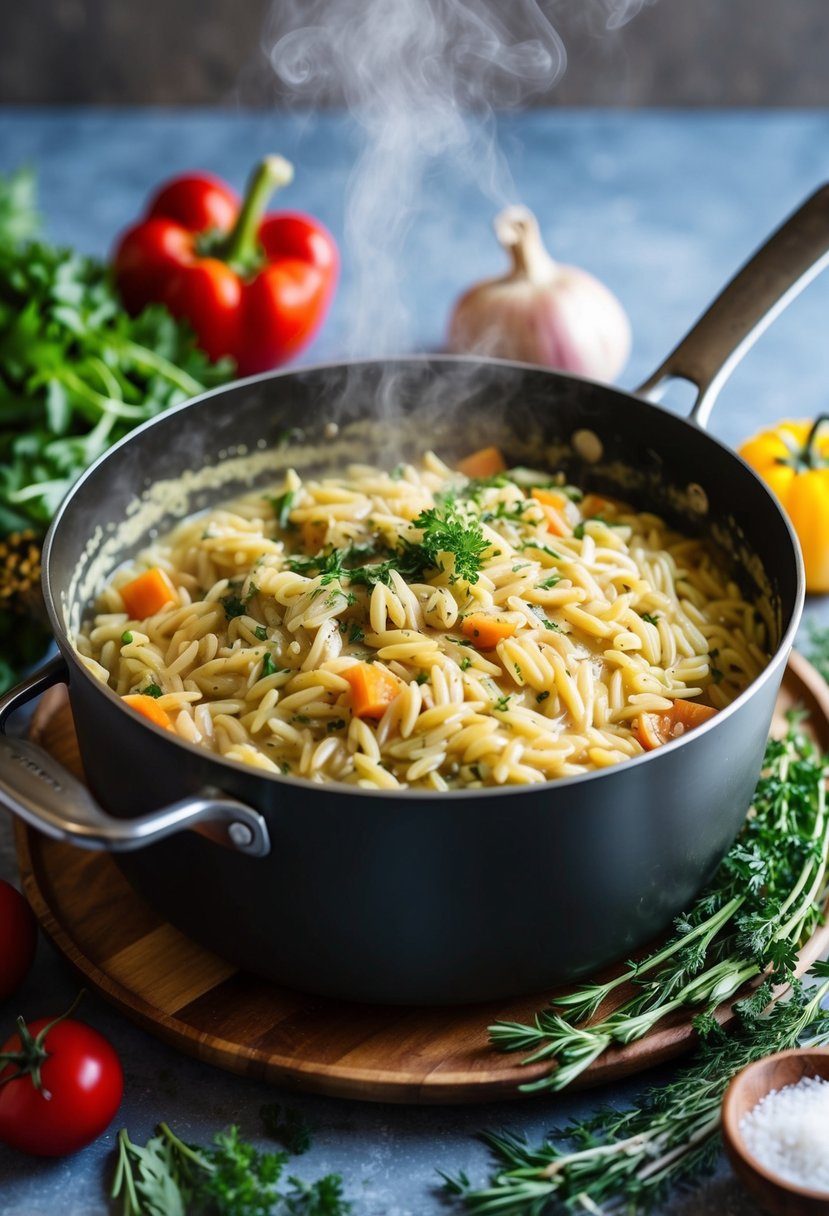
(77, 667)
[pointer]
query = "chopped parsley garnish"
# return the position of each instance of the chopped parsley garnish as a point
(303, 719)
(233, 606)
(445, 530)
(550, 582)
(261, 633)
(329, 565)
(356, 634)
(422, 677)
(532, 544)
(542, 696)
(269, 668)
(397, 472)
(282, 507)
(465, 663)
(336, 724)
(502, 704)
(716, 675)
(578, 531)
(647, 616)
(152, 690)
(521, 566)
(126, 638)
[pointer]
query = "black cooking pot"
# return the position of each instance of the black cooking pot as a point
(422, 897)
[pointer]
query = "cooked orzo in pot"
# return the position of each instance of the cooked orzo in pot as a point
(426, 627)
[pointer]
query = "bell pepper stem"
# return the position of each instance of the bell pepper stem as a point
(809, 457)
(269, 175)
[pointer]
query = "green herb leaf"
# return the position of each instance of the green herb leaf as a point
(287, 1126)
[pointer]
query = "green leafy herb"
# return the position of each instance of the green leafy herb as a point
(260, 633)
(422, 677)
(631, 1159)
(356, 634)
(502, 704)
(336, 724)
(233, 606)
(287, 1126)
(531, 544)
(77, 372)
(465, 663)
(550, 582)
(152, 690)
(282, 506)
(652, 620)
(765, 900)
(445, 529)
(167, 1177)
(542, 696)
(269, 668)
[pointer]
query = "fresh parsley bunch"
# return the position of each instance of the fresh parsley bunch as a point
(230, 1177)
(77, 372)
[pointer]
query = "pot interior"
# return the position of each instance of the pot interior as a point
(246, 435)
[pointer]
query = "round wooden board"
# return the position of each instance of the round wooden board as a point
(204, 1006)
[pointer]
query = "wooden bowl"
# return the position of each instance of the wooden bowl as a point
(773, 1193)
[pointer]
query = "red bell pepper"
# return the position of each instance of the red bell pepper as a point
(253, 286)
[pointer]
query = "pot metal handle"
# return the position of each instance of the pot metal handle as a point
(759, 291)
(34, 786)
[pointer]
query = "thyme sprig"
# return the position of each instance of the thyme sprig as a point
(629, 1160)
(765, 900)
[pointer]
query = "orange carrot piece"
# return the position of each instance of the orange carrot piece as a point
(147, 594)
(654, 729)
(549, 498)
(372, 689)
(486, 631)
(485, 463)
(149, 707)
(597, 504)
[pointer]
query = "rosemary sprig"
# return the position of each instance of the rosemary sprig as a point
(629, 1160)
(765, 900)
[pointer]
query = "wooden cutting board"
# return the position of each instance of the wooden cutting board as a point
(206, 1007)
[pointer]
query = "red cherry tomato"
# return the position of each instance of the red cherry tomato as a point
(18, 938)
(81, 1085)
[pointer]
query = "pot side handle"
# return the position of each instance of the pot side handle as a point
(792, 256)
(40, 791)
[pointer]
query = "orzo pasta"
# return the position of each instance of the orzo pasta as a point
(417, 628)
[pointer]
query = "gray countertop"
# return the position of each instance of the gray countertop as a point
(663, 207)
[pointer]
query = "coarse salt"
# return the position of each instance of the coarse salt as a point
(788, 1133)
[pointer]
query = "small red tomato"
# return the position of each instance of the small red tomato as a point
(18, 938)
(70, 1092)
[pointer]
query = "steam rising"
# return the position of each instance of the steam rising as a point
(423, 79)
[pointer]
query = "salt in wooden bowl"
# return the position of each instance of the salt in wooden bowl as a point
(775, 1194)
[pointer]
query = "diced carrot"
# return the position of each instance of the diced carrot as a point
(313, 533)
(485, 463)
(147, 594)
(486, 631)
(372, 689)
(654, 729)
(149, 707)
(553, 504)
(549, 498)
(596, 504)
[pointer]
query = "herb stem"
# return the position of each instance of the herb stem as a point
(143, 357)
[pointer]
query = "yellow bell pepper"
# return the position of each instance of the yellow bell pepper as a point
(793, 460)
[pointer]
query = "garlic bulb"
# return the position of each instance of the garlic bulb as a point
(541, 312)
